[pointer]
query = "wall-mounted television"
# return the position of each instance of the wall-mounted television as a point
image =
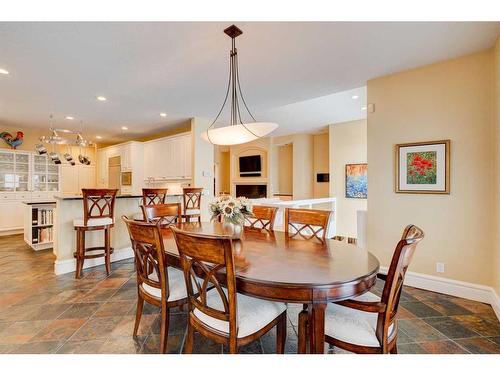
(250, 166)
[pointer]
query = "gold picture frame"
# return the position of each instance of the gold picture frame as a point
(425, 168)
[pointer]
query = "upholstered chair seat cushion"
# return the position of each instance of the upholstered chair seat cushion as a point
(252, 315)
(192, 211)
(351, 325)
(176, 285)
(95, 222)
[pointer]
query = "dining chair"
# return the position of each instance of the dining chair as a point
(163, 214)
(368, 323)
(307, 223)
(157, 284)
(98, 214)
(192, 203)
(222, 314)
(151, 197)
(262, 218)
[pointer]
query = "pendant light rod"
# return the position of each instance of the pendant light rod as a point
(237, 131)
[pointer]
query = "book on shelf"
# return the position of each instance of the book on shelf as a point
(42, 216)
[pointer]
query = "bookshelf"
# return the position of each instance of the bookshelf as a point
(39, 224)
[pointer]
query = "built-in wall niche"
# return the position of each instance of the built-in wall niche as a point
(251, 163)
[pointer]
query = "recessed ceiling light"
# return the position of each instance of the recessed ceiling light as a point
(363, 108)
(355, 96)
(101, 98)
(70, 118)
(124, 128)
(163, 114)
(3, 71)
(98, 137)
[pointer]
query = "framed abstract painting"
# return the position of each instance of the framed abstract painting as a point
(356, 181)
(423, 167)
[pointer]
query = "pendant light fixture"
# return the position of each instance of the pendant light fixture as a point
(238, 131)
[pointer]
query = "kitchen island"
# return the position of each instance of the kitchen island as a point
(70, 207)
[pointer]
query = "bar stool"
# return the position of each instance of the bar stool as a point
(192, 203)
(98, 207)
(151, 197)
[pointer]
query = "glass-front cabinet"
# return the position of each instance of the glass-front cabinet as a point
(22, 172)
(45, 174)
(14, 171)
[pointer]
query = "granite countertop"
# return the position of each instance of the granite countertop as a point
(32, 203)
(120, 196)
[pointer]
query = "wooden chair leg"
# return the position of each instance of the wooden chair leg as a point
(302, 344)
(107, 250)
(80, 252)
(188, 346)
(138, 314)
(394, 350)
(164, 329)
(281, 334)
(233, 346)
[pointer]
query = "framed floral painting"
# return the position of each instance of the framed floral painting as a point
(423, 167)
(356, 181)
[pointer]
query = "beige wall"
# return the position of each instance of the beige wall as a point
(285, 170)
(321, 164)
(303, 162)
(203, 164)
(224, 172)
(348, 145)
(496, 127)
(447, 100)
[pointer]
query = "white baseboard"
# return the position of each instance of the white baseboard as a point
(11, 231)
(69, 265)
(462, 289)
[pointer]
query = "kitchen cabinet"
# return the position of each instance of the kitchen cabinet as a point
(131, 160)
(168, 158)
(75, 178)
(102, 168)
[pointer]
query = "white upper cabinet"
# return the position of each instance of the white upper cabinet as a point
(168, 158)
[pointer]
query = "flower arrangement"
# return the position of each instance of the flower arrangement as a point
(231, 209)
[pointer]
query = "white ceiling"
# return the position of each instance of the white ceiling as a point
(181, 68)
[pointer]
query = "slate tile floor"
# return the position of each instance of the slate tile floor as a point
(43, 313)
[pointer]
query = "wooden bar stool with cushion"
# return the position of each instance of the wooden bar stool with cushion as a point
(151, 197)
(262, 217)
(222, 314)
(192, 203)
(157, 283)
(307, 223)
(164, 214)
(98, 207)
(368, 323)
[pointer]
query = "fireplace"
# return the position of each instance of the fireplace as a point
(251, 191)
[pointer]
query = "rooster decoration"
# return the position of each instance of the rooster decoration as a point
(11, 141)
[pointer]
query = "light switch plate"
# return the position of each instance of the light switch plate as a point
(207, 174)
(440, 267)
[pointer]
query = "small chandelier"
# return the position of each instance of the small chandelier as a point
(238, 131)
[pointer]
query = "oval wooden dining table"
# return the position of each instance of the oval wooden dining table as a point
(272, 266)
